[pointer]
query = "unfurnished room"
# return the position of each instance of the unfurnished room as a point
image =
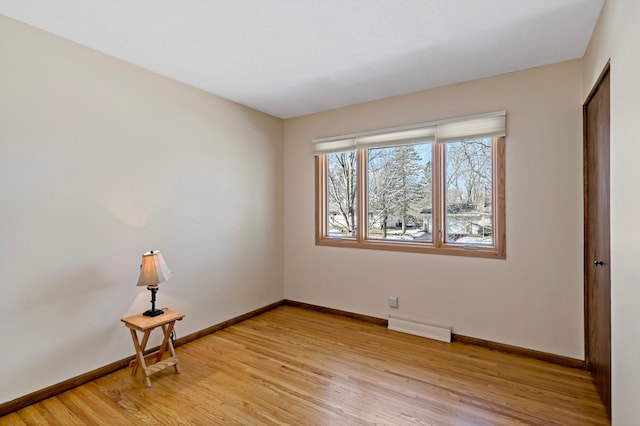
(319, 212)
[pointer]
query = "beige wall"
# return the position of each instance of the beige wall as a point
(616, 37)
(534, 298)
(101, 161)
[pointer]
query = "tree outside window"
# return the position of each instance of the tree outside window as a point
(416, 193)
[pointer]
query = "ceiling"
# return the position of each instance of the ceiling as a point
(293, 57)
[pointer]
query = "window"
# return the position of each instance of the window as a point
(341, 195)
(431, 188)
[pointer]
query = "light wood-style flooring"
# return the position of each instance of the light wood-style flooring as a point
(293, 366)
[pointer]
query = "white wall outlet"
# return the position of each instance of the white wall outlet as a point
(393, 301)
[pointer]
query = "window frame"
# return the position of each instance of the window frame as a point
(438, 244)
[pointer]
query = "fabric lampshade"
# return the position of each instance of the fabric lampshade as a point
(153, 270)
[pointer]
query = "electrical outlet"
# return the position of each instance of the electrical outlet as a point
(393, 301)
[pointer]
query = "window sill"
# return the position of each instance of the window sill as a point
(410, 247)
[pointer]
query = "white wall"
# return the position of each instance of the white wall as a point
(533, 299)
(101, 161)
(616, 37)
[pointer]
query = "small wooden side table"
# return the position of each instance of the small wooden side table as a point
(146, 325)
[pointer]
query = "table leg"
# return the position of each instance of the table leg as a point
(167, 329)
(140, 353)
(167, 344)
(143, 346)
(176, 366)
(172, 350)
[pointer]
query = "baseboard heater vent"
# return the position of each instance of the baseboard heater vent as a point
(423, 329)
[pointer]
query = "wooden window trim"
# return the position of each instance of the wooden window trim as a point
(437, 246)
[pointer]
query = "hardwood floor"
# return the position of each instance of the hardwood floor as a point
(298, 367)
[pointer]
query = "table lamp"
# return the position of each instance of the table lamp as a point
(153, 271)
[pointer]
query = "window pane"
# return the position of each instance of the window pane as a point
(468, 198)
(341, 194)
(399, 193)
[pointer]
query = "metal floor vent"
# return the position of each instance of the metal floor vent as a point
(418, 328)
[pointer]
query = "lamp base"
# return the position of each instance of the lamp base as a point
(153, 312)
